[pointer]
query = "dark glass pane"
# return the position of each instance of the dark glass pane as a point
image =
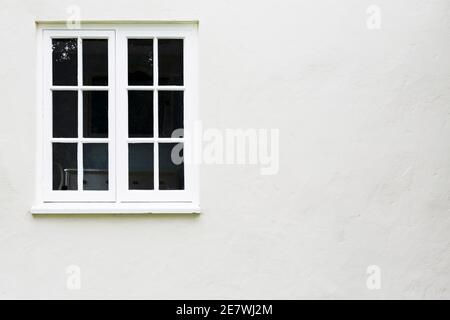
(140, 62)
(140, 114)
(65, 166)
(140, 166)
(170, 61)
(171, 166)
(65, 62)
(95, 114)
(95, 166)
(170, 112)
(65, 114)
(95, 62)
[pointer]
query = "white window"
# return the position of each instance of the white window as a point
(116, 105)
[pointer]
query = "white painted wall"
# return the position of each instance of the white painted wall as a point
(364, 166)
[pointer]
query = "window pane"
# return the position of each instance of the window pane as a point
(140, 166)
(95, 166)
(65, 64)
(140, 62)
(65, 114)
(170, 112)
(171, 166)
(95, 114)
(140, 114)
(95, 62)
(170, 57)
(65, 166)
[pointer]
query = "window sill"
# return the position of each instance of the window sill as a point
(115, 208)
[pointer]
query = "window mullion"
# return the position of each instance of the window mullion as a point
(155, 114)
(80, 115)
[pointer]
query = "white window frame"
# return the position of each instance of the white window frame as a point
(118, 199)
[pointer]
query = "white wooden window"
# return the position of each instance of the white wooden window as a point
(116, 105)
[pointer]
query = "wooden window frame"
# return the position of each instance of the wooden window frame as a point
(118, 199)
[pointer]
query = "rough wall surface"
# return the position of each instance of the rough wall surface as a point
(364, 179)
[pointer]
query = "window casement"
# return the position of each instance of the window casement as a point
(116, 105)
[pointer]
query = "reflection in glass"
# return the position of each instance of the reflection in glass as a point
(65, 114)
(140, 114)
(95, 114)
(65, 166)
(65, 62)
(170, 61)
(171, 166)
(140, 166)
(95, 62)
(95, 166)
(140, 62)
(170, 112)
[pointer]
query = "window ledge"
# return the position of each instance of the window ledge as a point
(115, 208)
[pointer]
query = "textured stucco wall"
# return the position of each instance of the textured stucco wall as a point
(364, 159)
